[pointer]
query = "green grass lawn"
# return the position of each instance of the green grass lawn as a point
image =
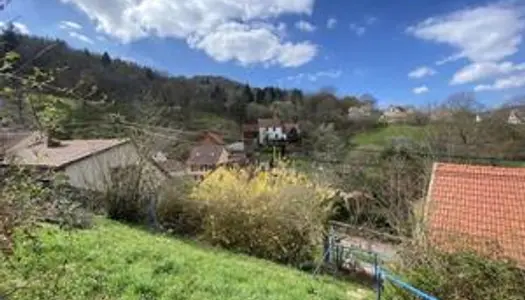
(114, 261)
(383, 136)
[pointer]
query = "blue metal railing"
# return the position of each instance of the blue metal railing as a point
(337, 254)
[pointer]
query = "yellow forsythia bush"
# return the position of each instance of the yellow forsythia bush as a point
(277, 215)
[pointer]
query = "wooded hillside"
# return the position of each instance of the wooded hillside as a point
(137, 92)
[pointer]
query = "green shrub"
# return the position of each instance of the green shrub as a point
(460, 275)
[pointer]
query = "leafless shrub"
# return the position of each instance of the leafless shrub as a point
(456, 275)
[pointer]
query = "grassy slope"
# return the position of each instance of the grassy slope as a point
(381, 137)
(113, 261)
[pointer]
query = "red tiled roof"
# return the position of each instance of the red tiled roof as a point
(479, 208)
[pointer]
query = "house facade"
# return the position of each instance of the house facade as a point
(515, 117)
(360, 112)
(274, 130)
(396, 114)
(88, 164)
(205, 158)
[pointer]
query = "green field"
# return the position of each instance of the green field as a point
(383, 136)
(114, 261)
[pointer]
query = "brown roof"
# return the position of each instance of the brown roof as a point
(213, 136)
(205, 155)
(250, 128)
(34, 151)
(269, 122)
(478, 208)
(10, 138)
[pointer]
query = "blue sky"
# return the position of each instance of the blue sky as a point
(402, 52)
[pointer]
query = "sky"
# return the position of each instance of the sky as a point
(402, 52)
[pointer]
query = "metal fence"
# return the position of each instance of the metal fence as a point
(372, 265)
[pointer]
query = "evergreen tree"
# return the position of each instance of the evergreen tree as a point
(106, 59)
(10, 39)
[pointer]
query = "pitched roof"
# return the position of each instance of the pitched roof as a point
(205, 155)
(213, 136)
(235, 147)
(478, 208)
(34, 151)
(9, 138)
(250, 128)
(269, 122)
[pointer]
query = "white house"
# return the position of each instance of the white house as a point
(515, 117)
(360, 112)
(88, 164)
(396, 114)
(274, 130)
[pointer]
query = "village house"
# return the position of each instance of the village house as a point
(210, 138)
(275, 130)
(237, 154)
(516, 117)
(477, 208)
(205, 158)
(88, 164)
(396, 114)
(360, 112)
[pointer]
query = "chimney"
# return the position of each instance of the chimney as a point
(51, 142)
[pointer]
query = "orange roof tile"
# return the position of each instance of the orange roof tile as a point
(479, 208)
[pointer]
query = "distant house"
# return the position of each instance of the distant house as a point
(477, 208)
(360, 112)
(516, 117)
(396, 114)
(88, 164)
(275, 130)
(250, 136)
(478, 118)
(204, 158)
(237, 154)
(211, 138)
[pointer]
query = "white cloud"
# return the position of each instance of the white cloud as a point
(483, 70)
(80, 37)
(22, 28)
(420, 90)
(331, 23)
(359, 30)
(201, 21)
(251, 44)
(421, 72)
(448, 59)
(486, 33)
(69, 25)
(313, 77)
(514, 81)
(371, 20)
(305, 26)
(19, 27)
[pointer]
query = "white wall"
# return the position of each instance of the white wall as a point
(94, 172)
(273, 133)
